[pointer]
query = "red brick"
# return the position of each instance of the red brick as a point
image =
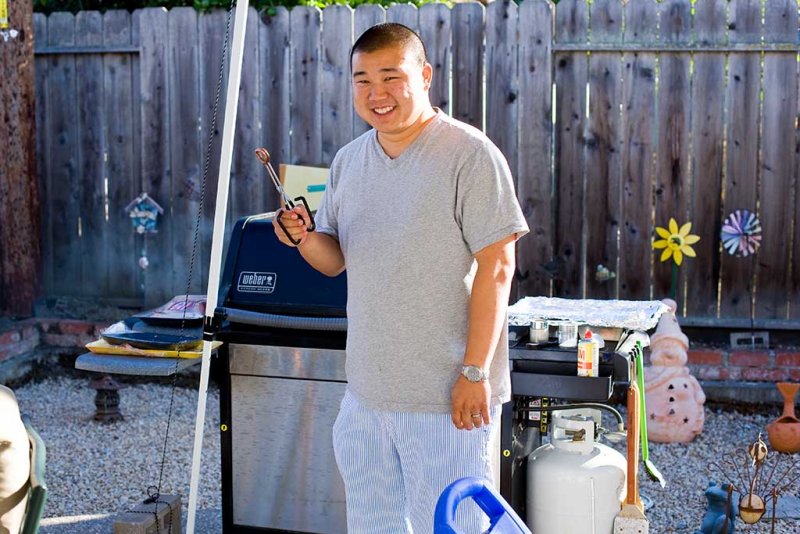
(711, 372)
(76, 328)
(752, 359)
(98, 328)
(61, 340)
(48, 325)
(30, 332)
(787, 359)
(794, 375)
(706, 357)
(764, 375)
(17, 349)
(12, 336)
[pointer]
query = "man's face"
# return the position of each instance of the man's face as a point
(390, 88)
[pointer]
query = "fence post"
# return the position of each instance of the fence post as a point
(20, 242)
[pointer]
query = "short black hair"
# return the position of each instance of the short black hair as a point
(387, 35)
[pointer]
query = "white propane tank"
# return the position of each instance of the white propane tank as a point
(575, 486)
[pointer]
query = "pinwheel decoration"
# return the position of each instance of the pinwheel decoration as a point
(741, 233)
(675, 241)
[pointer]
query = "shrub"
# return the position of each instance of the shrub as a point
(48, 6)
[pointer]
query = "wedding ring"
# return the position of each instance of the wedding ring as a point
(476, 416)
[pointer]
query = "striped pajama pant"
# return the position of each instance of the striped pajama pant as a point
(395, 466)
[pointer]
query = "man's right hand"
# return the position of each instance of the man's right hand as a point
(295, 222)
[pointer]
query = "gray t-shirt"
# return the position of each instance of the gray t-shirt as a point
(409, 228)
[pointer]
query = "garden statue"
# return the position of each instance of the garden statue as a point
(14, 463)
(720, 517)
(674, 398)
(758, 477)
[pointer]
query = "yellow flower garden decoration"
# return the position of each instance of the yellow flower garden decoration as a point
(676, 241)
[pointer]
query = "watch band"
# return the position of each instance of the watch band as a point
(473, 373)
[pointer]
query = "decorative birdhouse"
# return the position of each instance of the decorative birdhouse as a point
(144, 212)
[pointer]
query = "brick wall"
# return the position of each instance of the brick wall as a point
(24, 337)
(778, 365)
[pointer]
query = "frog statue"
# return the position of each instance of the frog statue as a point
(674, 398)
(715, 519)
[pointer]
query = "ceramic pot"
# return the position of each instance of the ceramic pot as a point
(784, 432)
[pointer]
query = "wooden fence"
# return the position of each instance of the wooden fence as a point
(614, 117)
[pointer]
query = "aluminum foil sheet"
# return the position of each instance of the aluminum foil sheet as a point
(629, 314)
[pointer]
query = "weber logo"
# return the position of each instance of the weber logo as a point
(250, 282)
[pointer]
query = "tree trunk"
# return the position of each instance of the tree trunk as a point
(20, 240)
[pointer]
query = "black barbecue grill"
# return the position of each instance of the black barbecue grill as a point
(283, 325)
(284, 328)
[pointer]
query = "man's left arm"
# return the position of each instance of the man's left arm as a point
(487, 315)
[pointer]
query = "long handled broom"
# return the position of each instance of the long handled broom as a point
(631, 519)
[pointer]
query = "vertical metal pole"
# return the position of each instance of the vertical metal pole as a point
(220, 214)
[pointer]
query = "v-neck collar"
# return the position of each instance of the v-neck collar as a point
(411, 149)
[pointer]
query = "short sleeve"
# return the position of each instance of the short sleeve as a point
(487, 208)
(326, 218)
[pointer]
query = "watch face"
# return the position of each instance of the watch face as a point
(472, 373)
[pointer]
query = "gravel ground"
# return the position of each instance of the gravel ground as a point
(95, 469)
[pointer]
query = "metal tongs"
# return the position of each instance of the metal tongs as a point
(288, 203)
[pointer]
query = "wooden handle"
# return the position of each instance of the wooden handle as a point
(633, 445)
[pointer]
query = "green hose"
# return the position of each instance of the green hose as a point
(651, 469)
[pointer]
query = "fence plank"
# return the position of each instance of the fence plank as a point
(184, 144)
(434, 22)
(64, 184)
(118, 111)
(306, 114)
(43, 143)
(707, 113)
(777, 167)
(637, 152)
(248, 177)
(337, 89)
(91, 171)
(741, 171)
(794, 287)
(571, 75)
(501, 76)
(535, 145)
(603, 140)
(274, 72)
(366, 16)
(468, 63)
(155, 151)
(405, 14)
(672, 153)
(212, 38)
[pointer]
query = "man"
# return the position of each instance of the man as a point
(421, 210)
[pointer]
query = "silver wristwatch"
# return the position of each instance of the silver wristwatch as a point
(473, 373)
